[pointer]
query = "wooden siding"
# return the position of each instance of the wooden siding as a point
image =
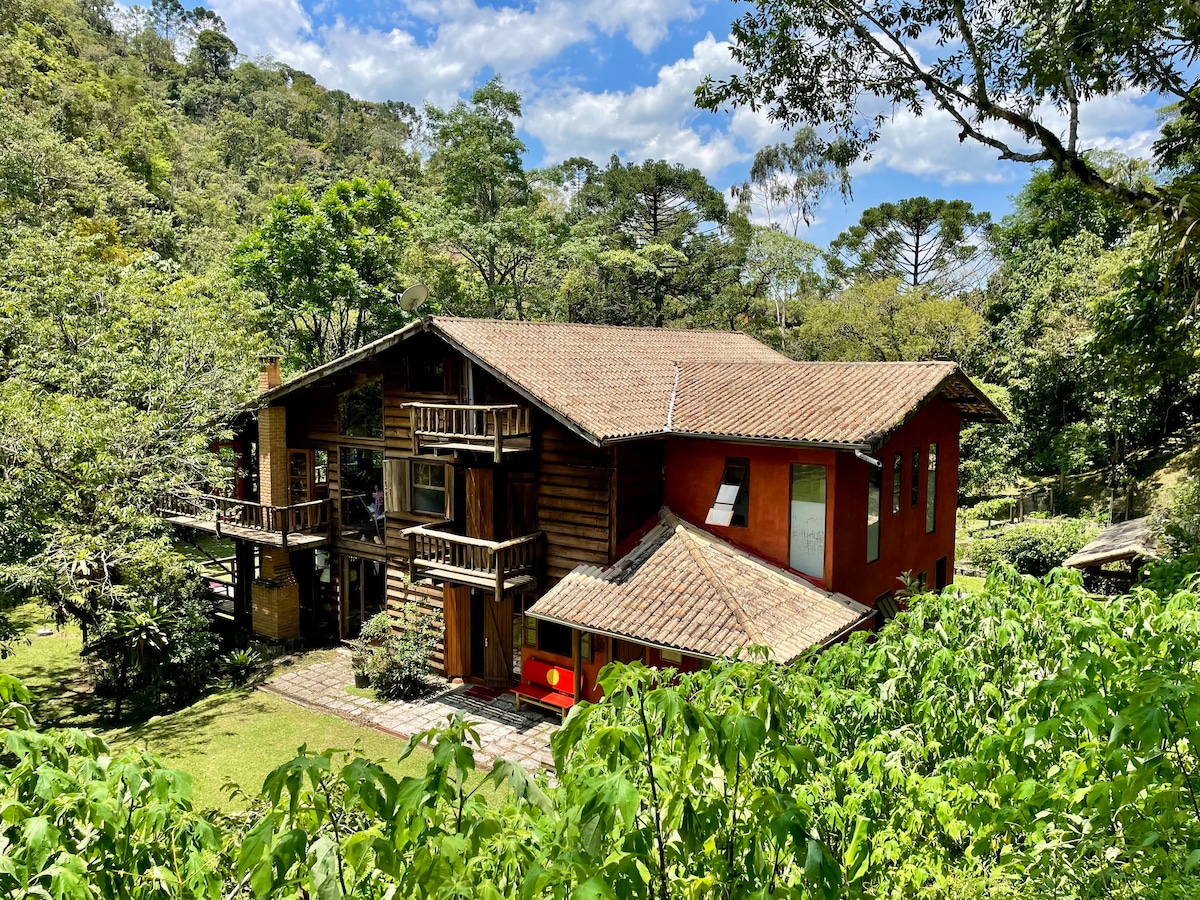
(573, 501)
(639, 485)
(405, 601)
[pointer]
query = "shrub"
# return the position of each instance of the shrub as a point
(399, 668)
(997, 508)
(240, 665)
(1033, 548)
(1179, 528)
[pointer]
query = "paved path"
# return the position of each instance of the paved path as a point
(522, 737)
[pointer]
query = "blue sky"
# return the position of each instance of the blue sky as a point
(604, 76)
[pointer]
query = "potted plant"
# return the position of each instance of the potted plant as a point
(362, 649)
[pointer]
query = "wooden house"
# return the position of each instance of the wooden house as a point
(552, 496)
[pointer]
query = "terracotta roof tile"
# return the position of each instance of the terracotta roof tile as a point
(613, 383)
(682, 588)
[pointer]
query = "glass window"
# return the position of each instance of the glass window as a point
(897, 468)
(732, 506)
(807, 539)
(429, 488)
(531, 631)
(427, 375)
(931, 492)
(360, 411)
(916, 475)
(361, 485)
(874, 501)
(586, 651)
(554, 638)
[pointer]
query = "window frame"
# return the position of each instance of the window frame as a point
(915, 487)
(343, 407)
(413, 487)
(725, 512)
(413, 372)
(931, 462)
(874, 487)
(897, 479)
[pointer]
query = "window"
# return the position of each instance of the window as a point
(732, 506)
(874, 501)
(916, 475)
(931, 492)
(429, 489)
(361, 484)
(586, 652)
(670, 656)
(360, 411)
(531, 631)
(806, 548)
(427, 375)
(554, 638)
(897, 468)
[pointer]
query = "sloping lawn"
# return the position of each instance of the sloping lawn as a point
(234, 735)
(240, 736)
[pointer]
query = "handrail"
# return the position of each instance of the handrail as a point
(309, 516)
(460, 557)
(470, 426)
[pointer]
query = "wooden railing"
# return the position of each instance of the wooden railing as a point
(463, 426)
(458, 558)
(299, 518)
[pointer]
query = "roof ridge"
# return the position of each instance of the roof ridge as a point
(600, 325)
(689, 541)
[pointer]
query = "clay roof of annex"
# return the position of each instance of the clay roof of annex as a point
(612, 383)
(1131, 539)
(683, 589)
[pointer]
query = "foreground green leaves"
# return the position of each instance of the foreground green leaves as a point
(1022, 742)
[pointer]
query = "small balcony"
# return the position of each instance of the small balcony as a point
(498, 430)
(497, 566)
(295, 527)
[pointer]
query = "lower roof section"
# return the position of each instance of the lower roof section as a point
(683, 589)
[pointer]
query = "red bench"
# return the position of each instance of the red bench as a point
(550, 686)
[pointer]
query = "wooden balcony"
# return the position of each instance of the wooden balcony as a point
(497, 566)
(295, 527)
(488, 429)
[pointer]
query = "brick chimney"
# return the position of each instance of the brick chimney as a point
(268, 373)
(275, 595)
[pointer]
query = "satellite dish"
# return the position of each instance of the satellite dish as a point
(413, 297)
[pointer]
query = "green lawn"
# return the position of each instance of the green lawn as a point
(969, 583)
(241, 736)
(234, 735)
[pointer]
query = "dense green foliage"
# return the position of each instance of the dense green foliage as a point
(1033, 547)
(1028, 742)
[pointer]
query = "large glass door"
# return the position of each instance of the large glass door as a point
(807, 538)
(364, 591)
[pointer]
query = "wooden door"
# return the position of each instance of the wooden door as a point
(300, 476)
(481, 504)
(456, 613)
(627, 652)
(498, 641)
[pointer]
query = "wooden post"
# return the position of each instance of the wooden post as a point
(412, 558)
(498, 447)
(575, 661)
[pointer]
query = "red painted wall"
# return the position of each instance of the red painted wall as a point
(694, 468)
(903, 543)
(693, 472)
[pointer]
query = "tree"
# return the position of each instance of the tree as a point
(994, 69)
(661, 240)
(211, 57)
(782, 268)
(883, 321)
(328, 268)
(485, 199)
(930, 244)
(788, 180)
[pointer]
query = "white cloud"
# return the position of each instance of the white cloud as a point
(657, 121)
(458, 41)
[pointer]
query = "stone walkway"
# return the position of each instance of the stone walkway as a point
(505, 733)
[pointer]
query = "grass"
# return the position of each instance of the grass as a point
(242, 735)
(238, 735)
(969, 583)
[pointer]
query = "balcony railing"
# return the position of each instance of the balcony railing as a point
(498, 566)
(497, 429)
(301, 524)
